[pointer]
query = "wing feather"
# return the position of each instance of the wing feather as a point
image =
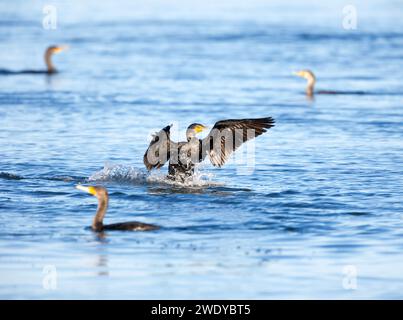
(158, 152)
(228, 135)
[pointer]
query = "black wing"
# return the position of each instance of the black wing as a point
(158, 152)
(131, 226)
(226, 136)
(6, 72)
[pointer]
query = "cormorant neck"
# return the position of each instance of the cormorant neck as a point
(48, 60)
(97, 223)
(310, 86)
(190, 135)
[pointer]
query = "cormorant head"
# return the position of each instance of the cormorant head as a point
(306, 74)
(96, 191)
(48, 56)
(56, 49)
(194, 129)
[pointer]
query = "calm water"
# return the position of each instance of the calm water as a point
(326, 191)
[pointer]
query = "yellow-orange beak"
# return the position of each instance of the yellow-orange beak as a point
(298, 73)
(90, 189)
(61, 48)
(200, 128)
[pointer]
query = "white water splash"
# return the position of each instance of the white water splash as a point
(119, 173)
(198, 180)
(130, 174)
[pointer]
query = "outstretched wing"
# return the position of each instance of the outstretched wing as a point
(226, 136)
(158, 152)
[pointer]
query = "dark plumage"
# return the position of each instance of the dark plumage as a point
(224, 138)
(311, 81)
(103, 200)
(50, 68)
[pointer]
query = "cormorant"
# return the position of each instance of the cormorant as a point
(311, 80)
(224, 138)
(50, 68)
(97, 224)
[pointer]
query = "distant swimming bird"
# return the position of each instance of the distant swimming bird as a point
(97, 224)
(50, 68)
(224, 138)
(311, 80)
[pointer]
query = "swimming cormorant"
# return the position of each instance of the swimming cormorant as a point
(311, 81)
(50, 68)
(97, 224)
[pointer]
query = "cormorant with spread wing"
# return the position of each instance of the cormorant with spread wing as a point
(224, 138)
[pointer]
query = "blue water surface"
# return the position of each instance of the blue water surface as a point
(316, 214)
